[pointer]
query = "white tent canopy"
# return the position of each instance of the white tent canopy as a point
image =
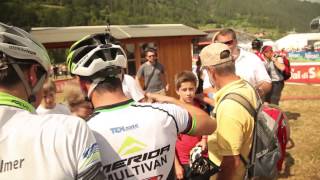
(296, 41)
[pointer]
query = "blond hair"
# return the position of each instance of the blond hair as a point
(73, 95)
(49, 86)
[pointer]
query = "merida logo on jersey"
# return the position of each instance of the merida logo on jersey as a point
(123, 128)
(130, 145)
(137, 164)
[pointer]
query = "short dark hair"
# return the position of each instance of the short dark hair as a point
(8, 75)
(150, 49)
(110, 84)
(227, 31)
(185, 76)
(257, 44)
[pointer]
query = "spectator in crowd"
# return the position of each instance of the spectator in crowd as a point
(35, 146)
(199, 75)
(204, 96)
(55, 69)
(185, 84)
(76, 100)
(152, 73)
(256, 48)
(234, 133)
(275, 66)
(64, 70)
(283, 53)
(248, 66)
(49, 104)
(131, 133)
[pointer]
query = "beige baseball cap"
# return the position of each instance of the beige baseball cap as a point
(211, 54)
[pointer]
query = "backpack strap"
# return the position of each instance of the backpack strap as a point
(243, 101)
(252, 111)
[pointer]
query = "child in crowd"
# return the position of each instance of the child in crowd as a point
(76, 101)
(48, 104)
(186, 86)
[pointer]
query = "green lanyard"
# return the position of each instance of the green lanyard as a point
(9, 100)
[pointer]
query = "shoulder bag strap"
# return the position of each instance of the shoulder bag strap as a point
(149, 79)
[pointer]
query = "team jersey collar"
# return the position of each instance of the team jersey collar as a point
(9, 100)
(113, 107)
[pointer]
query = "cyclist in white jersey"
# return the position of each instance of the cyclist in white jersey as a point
(37, 147)
(137, 140)
(129, 86)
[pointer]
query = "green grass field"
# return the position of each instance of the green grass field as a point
(302, 161)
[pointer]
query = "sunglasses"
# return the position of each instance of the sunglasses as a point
(228, 42)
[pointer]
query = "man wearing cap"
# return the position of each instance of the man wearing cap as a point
(234, 123)
(248, 65)
(274, 65)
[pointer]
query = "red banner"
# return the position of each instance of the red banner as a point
(305, 73)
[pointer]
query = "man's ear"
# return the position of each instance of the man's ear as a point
(177, 91)
(31, 74)
(84, 85)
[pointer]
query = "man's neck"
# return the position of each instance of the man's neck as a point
(152, 63)
(17, 91)
(221, 82)
(191, 103)
(236, 53)
(107, 98)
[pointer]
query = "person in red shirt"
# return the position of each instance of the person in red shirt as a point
(186, 86)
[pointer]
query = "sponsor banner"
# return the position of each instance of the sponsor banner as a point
(303, 55)
(62, 82)
(308, 73)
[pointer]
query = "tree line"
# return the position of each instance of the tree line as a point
(283, 15)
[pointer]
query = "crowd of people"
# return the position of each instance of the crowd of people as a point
(131, 130)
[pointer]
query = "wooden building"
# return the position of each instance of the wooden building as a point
(172, 41)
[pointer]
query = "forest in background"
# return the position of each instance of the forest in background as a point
(279, 16)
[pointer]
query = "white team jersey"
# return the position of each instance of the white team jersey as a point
(58, 109)
(131, 89)
(44, 147)
(137, 140)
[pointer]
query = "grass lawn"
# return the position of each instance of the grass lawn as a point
(302, 161)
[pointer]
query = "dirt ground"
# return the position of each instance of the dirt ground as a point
(303, 159)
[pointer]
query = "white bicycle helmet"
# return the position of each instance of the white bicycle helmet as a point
(88, 60)
(19, 44)
(92, 39)
(18, 47)
(97, 62)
